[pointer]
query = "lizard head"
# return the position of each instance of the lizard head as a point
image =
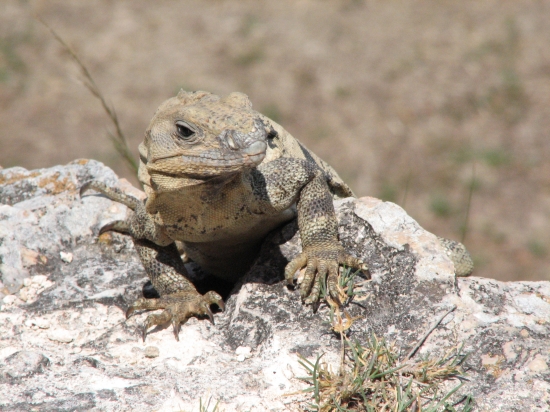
(198, 135)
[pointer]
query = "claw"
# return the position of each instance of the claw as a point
(214, 298)
(138, 304)
(107, 228)
(119, 226)
(84, 187)
(210, 315)
(293, 266)
(315, 306)
(336, 300)
(176, 330)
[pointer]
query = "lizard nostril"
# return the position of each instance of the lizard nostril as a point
(258, 147)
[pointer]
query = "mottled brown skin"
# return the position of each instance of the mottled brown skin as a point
(219, 177)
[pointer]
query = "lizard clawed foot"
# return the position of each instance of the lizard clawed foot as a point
(321, 269)
(178, 308)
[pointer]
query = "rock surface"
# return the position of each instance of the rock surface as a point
(65, 345)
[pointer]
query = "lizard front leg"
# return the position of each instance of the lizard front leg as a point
(289, 181)
(162, 262)
(322, 251)
(178, 296)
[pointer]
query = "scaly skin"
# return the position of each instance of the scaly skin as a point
(219, 177)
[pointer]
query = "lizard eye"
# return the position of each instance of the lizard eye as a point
(184, 131)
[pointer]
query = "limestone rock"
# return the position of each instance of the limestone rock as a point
(23, 364)
(57, 275)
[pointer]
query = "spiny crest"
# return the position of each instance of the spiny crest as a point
(237, 100)
(191, 97)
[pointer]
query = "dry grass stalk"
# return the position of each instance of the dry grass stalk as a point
(118, 138)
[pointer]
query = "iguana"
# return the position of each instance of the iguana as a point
(219, 177)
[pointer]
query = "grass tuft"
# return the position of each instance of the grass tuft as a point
(205, 407)
(372, 378)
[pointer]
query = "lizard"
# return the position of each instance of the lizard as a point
(219, 176)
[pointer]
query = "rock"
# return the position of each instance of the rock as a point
(248, 360)
(13, 277)
(23, 364)
(66, 257)
(3, 291)
(539, 364)
(61, 335)
(10, 300)
(151, 352)
(38, 322)
(242, 352)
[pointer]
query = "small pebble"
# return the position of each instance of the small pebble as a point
(151, 352)
(29, 257)
(538, 365)
(60, 335)
(524, 333)
(38, 322)
(23, 294)
(9, 299)
(66, 257)
(242, 352)
(39, 279)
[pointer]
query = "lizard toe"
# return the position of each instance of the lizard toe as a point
(332, 284)
(320, 277)
(293, 266)
(112, 193)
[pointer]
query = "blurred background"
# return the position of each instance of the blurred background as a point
(442, 107)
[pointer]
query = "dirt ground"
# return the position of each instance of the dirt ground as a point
(418, 102)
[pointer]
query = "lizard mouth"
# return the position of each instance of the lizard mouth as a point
(254, 153)
(213, 162)
(207, 166)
